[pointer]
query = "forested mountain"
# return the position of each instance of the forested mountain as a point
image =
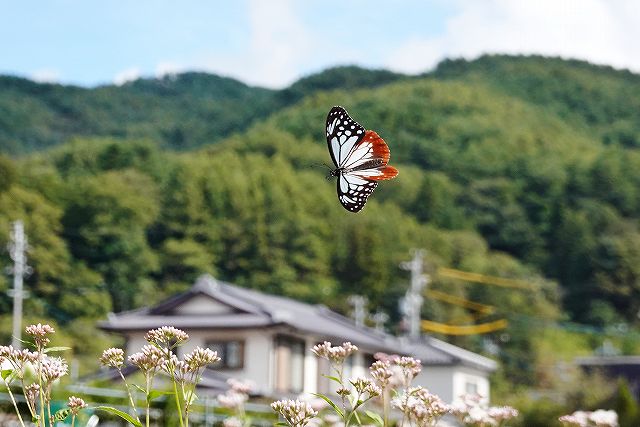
(517, 167)
(177, 111)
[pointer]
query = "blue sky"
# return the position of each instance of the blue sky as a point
(274, 42)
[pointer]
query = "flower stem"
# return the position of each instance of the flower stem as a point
(41, 394)
(49, 411)
(15, 405)
(131, 402)
(186, 404)
(148, 390)
(175, 391)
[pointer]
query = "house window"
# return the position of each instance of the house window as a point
(369, 359)
(231, 354)
(289, 364)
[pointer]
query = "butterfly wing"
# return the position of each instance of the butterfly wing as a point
(354, 190)
(370, 157)
(343, 134)
(362, 155)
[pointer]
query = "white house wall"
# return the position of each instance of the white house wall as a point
(310, 367)
(450, 382)
(464, 375)
(202, 305)
(438, 380)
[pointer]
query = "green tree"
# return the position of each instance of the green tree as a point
(105, 224)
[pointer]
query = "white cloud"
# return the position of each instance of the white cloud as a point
(168, 68)
(45, 75)
(600, 31)
(279, 46)
(128, 75)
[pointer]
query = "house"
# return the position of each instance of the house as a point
(268, 339)
(614, 367)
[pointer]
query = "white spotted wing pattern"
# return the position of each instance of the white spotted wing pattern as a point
(360, 157)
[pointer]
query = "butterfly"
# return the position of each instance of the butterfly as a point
(360, 157)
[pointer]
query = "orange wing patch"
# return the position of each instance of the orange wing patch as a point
(384, 172)
(380, 148)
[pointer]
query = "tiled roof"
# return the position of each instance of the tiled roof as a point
(256, 309)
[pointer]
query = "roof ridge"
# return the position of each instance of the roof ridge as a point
(461, 352)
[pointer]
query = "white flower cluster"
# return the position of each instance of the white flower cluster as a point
(19, 359)
(149, 359)
(113, 357)
(31, 393)
(365, 386)
(472, 411)
(166, 336)
(421, 406)
(381, 372)
(232, 422)
(599, 418)
(335, 354)
(199, 358)
(39, 333)
(394, 371)
(76, 404)
(53, 368)
(245, 387)
(295, 412)
(237, 395)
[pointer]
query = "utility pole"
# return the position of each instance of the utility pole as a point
(359, 313)
(17, 250)
(379, 319)
(411, 304)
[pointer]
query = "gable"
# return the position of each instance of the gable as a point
(202, 305)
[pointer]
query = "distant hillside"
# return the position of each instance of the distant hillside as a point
(599, 98)
(177, 111)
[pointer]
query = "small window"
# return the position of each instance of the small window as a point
(231, 354)
(471, 387)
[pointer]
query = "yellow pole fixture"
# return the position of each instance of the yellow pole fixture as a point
(483, 309)
(483, 328)
(484, 279)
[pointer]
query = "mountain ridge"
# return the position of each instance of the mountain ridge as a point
(192, 109)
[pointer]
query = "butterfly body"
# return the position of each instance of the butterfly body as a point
(360, 157)
(367, 165)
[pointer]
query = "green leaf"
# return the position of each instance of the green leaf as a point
(375, 417)
(51, 349)
(330, 402)
(280, 423)
(354, 413)
(154, 394)
(336, 379)
(6, 373)
(128, 418)
(62, 414)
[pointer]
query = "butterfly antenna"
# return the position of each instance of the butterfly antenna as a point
(325, 166)
(321, 165)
